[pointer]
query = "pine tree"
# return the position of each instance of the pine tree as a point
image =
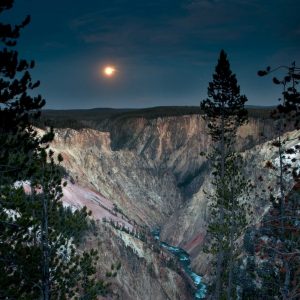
(277, 241)
(224, 112)
(17, 107)
(39, 238)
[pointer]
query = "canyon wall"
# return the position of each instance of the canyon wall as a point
(152, 170)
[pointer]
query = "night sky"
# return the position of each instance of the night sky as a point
(164, 51)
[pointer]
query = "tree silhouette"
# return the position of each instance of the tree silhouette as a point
(276, 257)
(38, 236)
(224, 112)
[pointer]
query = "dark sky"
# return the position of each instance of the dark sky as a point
(164, 50)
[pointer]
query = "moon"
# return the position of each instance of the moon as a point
(109, 71)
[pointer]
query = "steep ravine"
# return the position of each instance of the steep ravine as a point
(130, 260)
(143, 274)
(191, 222)
(152, 170)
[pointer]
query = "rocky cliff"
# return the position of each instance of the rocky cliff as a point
(152, 170)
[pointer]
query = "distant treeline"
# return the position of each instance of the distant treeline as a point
(91, 118)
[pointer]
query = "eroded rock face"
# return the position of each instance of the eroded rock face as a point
(145, 175)
(153, 171)
(142, 273)
(191, 222)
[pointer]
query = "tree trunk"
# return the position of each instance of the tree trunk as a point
(286, 280)
(282, 212)
(45, 248)
(220, 253)
(230, 265)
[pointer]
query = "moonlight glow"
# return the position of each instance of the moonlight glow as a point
(109, 71)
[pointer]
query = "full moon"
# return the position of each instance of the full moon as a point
(109, 71)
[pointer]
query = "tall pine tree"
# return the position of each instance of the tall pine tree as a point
(224, 112)
(38, 236)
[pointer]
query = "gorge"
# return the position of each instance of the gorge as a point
(143, 171)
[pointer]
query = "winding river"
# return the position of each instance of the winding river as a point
(184, 259)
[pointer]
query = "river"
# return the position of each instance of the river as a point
(184, 259)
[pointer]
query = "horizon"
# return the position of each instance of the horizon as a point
(152, 107)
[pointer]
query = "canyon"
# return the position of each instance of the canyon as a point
(138, 173)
